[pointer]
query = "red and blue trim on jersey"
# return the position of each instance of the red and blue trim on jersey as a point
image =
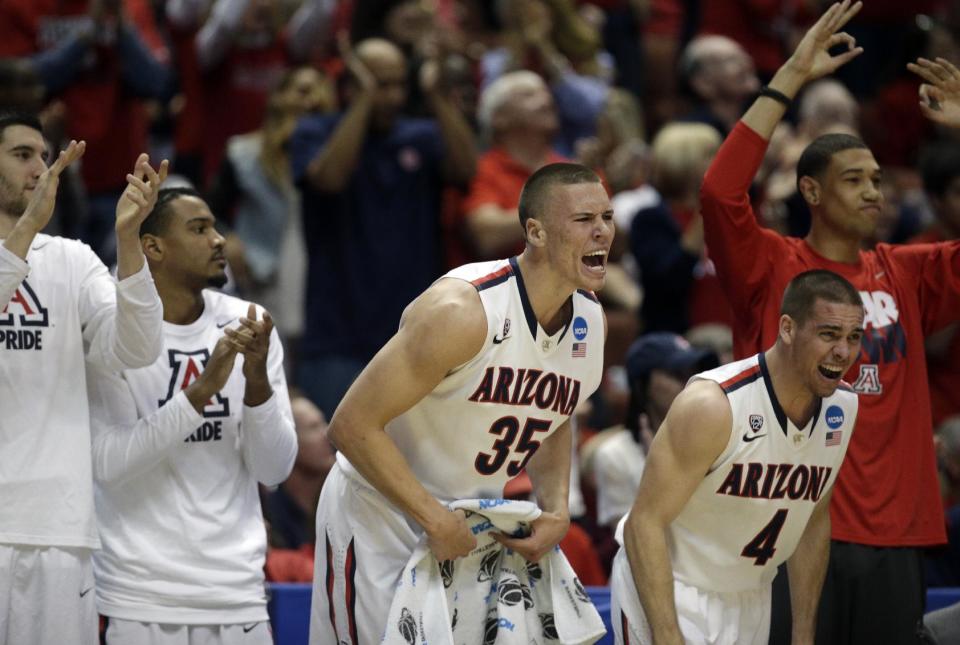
(493, 279)
(330, 577)
(350, 571)
(746, 377)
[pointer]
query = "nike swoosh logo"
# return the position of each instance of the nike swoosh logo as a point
(85, 592)
(497, 341)
(222, 325)
(250, 628)
(756, 436)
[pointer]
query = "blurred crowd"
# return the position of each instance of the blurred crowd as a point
(354, 150)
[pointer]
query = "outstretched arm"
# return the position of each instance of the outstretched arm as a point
(442, 329)
(810, 61)
(940, 95)
(693, 435)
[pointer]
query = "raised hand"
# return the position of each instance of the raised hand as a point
(940, 95)
(40, 207)
(429, 75)
(812, 58)
(140, 195)
(363, 76)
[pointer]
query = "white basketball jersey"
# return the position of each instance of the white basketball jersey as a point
(748, 514)
(482, 423)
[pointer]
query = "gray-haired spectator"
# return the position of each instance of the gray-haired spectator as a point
(518, 117)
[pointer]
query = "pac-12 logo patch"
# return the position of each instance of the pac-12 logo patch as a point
(579, 328)
(834, 417)
(756, 422)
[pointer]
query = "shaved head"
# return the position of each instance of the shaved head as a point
(378, 50)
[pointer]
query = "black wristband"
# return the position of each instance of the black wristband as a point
(776, 95)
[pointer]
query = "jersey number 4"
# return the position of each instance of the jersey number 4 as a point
(507, 428)
(764, 544)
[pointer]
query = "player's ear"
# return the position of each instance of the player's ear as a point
(810, 189)
(536, 234)
(787, 330)
(152, 247)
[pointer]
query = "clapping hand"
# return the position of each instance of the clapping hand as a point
(140, 195)
(40, 207)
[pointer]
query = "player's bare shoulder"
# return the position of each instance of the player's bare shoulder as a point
(700, 417)
(448, 317)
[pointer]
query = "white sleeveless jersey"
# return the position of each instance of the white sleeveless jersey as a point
(481, 424)
(748, 514)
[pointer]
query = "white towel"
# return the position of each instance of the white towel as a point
(492, 596)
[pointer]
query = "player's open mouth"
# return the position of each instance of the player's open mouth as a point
(832, 373)
(596, 262)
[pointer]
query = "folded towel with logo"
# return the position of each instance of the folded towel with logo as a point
(492, 596)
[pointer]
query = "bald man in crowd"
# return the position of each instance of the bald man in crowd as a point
(720, 77)
(371, 181)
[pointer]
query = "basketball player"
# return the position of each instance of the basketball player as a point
(178, 449)
(738, 480)
(59, 310)
(478, 384)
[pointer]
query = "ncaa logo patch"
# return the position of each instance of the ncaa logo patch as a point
(834, 417)
(756, 422)
(579, 328)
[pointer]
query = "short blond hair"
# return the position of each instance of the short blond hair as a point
(681, 152)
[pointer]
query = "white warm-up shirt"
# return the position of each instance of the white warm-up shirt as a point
(183, 534)
(61, 310)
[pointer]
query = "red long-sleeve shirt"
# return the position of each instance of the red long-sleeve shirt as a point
(887, 493)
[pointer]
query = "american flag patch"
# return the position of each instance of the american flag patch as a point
(833, 438)
(579, 350)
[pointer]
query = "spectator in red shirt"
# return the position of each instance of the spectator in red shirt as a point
(518, 116)
(101, 58)
(886, 503)
(241, 51)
